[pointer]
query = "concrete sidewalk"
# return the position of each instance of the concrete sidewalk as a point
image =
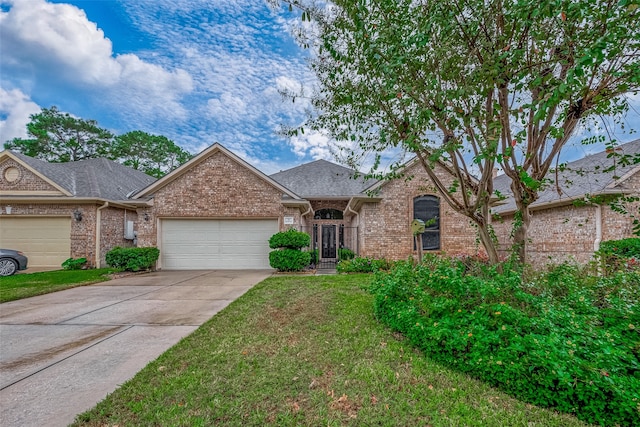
(62, 353)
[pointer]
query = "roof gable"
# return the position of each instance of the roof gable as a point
(39, 168)
(195, 161)
(95, 178)
(322, 178)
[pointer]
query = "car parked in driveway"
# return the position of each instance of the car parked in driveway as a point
(12, 261)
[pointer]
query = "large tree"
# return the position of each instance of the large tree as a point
(470, 85)
(153, 154)
(59, 137)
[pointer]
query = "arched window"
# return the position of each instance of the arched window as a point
(427, 208)
(328, 214)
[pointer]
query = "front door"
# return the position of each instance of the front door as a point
(328, 241)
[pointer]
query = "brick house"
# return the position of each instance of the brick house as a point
(217, 211)
(561, 227)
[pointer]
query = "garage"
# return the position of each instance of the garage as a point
(45, 241)
(203, 244)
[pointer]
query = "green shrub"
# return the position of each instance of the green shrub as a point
(132, 259)
(345, 254)
(289, 259)
(626, 248)
(565, 340)
(74, 264)
(314, 256)
(615, 255)
(363, 265)
(291, 239)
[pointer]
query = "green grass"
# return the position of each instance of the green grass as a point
(28, 285)
(306, 351)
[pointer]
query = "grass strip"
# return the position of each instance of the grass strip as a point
(28, 285)
(306, 351)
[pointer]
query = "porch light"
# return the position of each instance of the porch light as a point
(77, 215)
(146, 216)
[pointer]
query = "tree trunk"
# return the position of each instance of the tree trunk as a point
(488, 242)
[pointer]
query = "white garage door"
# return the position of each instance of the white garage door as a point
(45, 241)
(189, 244)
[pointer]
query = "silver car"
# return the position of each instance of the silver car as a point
(11, 261)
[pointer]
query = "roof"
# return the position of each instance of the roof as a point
(322, 179)
(93, 178)
(588, 175)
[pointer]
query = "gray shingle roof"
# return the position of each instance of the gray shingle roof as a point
(579, 178)
(99, 178)
(321, 179)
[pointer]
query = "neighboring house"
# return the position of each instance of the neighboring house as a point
(54, 211)
(562, 226)
(218, 211)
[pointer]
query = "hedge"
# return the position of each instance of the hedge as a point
(132, 259)
(563, 340)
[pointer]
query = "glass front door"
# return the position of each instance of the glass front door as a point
(328, 241)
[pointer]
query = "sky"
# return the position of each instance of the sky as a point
(195, 71)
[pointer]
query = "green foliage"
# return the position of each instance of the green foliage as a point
(345, 254)
(132, 259)
(564, 340)
(314, 254)
(58, 137)
(289, 259)
(626, 248)
(74, 264)
(363, 265)
(154, 155)
(615, 255)
(471, 84)
(291, 239)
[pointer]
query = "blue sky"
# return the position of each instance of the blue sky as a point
(196, 71)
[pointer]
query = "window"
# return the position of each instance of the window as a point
(328, 214)
(427, 208)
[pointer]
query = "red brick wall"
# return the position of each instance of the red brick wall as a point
(385, 230)
(568, 233)
(27, 180)
(112, 221)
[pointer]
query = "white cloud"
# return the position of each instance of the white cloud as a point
(17, 108)
(57, 43)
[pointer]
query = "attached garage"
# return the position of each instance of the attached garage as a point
(202, 244)
(44, 240)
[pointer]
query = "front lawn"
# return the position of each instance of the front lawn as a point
(29, 285)
(306, 350)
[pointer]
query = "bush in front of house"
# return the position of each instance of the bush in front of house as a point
(289, 259)
(314, 256)
(132, 259)
(345, 254)
(564, 339)
(290, 239)
(363, 265)
(287, 255)
(74, 264)
(614, 255)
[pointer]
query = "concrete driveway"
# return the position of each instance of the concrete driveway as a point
(62, 353)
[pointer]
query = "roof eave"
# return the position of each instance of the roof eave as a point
(566, 201)
(71, 201)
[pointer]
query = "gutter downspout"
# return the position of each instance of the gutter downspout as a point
(596, 243)
(98, 229)
(357, 227)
